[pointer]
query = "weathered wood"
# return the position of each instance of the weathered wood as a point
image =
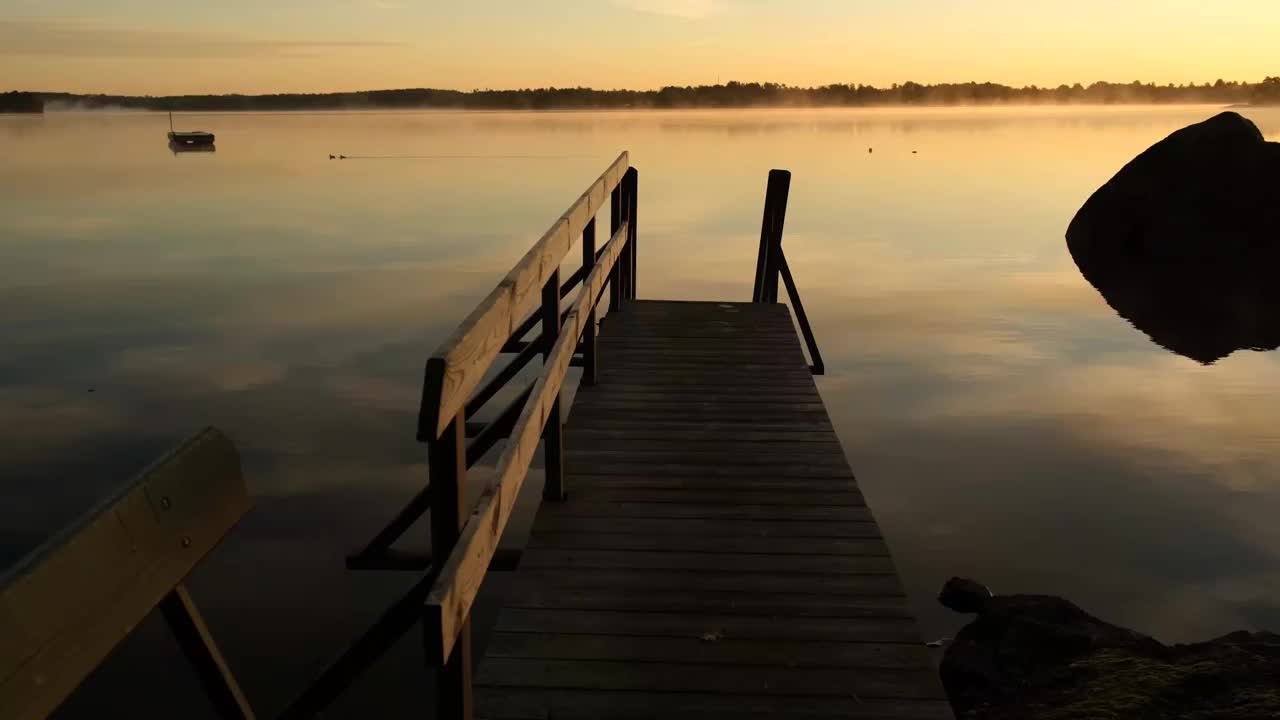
(726, 651)
(686, 527)
(459, 364)
(589, 364)
(577, 540)
(761, 562)
(553, 432)
(716, 543)
(689, 677)
(507, 703)
(565, 597)
(447, 459)
(641, 581)
(726, 486)
(450, 600)
(643, 624)
(806, 513)
(699, 433)
(65, 606)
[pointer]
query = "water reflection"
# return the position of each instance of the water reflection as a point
(177, 147)
(1002, 420)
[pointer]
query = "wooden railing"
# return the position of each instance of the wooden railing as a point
(457, 386)
(65, 606)
(464, 545)
(772, 262)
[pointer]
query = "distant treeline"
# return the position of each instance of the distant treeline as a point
(730, 95)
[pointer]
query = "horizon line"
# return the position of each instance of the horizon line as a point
(728, 83)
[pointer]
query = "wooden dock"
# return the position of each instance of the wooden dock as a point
(702, 551)
(714, 557)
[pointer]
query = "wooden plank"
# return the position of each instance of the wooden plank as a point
(502, 703)
(671, 381)
(540, 557)
(760, 457)
(550, 522)
(757, 408)
(65, 606)
(560, 597)
(694, 496)
(645, 447)
(803, 513)
(689, 677)
(577, 540)
(602, 622)
(727, 485)
(641, 581)
(449, 603)
(714, 546)
(706, 394)
(691, 433)
(725, 651)
(764, 469)
(457, 367)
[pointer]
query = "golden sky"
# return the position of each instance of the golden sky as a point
(255, 46)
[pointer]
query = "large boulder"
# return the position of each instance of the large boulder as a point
(1184, 241)
(1039, 657)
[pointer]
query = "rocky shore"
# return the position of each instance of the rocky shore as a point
(1040, 657)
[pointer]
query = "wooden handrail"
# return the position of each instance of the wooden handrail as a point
(65, 606)
(453, 593)
(459, 364)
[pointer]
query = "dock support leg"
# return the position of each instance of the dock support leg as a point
(447, 459)
(553, 433)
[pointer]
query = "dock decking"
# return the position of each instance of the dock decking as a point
(714, 557)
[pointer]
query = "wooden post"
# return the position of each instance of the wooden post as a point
(447, 458)
(193, 636)
(589, 333)
(775, 214)
(615, 222)
(632, 183)
(553, 433)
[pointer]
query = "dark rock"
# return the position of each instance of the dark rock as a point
(964, 595)
(1042, 657)
(1184, 241)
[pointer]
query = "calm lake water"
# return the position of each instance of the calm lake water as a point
(1003, 421)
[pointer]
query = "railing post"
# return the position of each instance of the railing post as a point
(589, 333)
(553, 433)
(775, 214)
(615, 222)
(447, 460)
(632, 182)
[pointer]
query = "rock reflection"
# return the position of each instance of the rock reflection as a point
(1183, 241)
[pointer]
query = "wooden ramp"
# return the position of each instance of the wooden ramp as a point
(714, 557)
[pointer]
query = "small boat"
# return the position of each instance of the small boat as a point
(189, 138)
